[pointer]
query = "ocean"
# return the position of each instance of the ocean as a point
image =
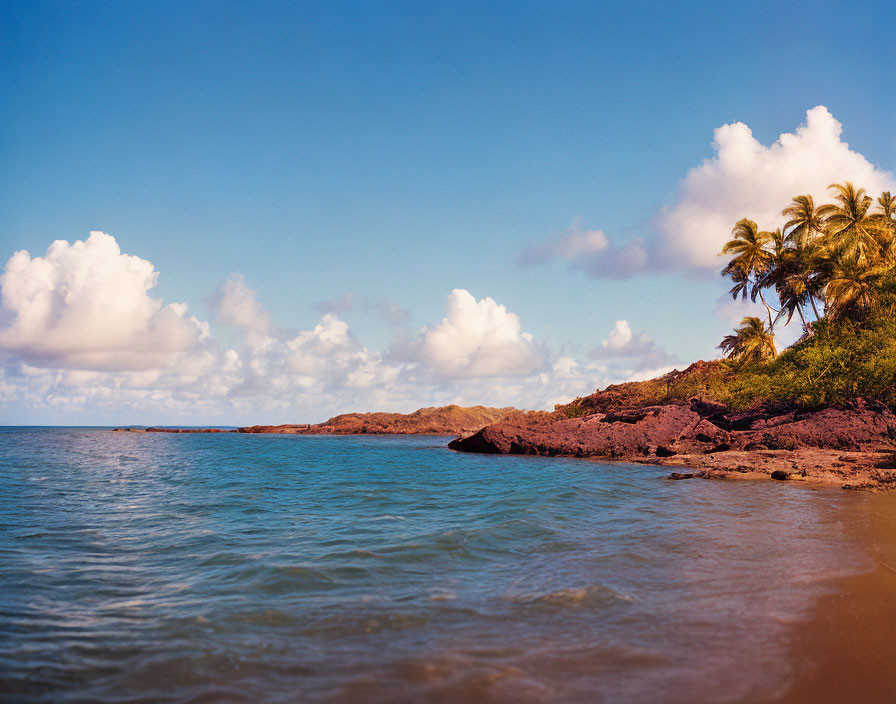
(250, 568)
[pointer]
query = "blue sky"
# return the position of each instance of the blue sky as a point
(400, 151)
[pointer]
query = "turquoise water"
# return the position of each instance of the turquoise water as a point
(157, 567)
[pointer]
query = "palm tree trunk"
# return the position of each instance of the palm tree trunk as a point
(811, 299)
(799, 309)
(768, 309)
(814, 309)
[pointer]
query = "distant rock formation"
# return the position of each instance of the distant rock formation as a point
(442, 420)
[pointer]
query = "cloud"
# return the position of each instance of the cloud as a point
(86, 306)
(571, 244)
(392, 313)
(329, 356)
(83, 341)
(632, 353)
(748, 179)
(620, 338)
(744, 178)
(589, 250)
(346, 302)
(235, 304)
(476, 339)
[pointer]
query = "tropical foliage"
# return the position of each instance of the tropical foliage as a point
(833, 262)
(751, 342)
(832, 267)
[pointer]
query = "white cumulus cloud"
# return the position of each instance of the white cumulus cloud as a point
(477, 339)
(82, 340)
(620, 337)
(573, 243)
(87, 306)
(745, 178)
(631, 353)
(236, 304)
(328, 355)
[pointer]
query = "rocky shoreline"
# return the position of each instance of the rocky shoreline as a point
(672, 421)
(851, 446)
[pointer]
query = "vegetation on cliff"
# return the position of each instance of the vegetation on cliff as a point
(833, 267)
(833, 261)
(841, 361)
(836, 262)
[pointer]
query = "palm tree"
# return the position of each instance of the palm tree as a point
(751, 259)
(851, 286)
(748, 244)
(849, 228)
(740, 278)
(792, 284)
(803, 229)
(886, 206)
(885, 219)
(757, 342)
(805, 223)
(783, 273)
(751, 342)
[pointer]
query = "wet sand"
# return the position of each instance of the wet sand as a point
(847, 651)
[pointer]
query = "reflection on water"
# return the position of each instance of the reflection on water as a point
(239, 567)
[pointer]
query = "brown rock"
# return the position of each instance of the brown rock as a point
(444, 420)
(827, 444)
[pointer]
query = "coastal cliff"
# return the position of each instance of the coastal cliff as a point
(659, 422)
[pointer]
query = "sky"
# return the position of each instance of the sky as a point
(232, 213)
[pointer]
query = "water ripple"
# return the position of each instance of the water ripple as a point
(154, 567)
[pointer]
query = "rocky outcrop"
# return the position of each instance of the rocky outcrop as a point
(154, 429)
(443, 420)
(705, 435)
(687, 428)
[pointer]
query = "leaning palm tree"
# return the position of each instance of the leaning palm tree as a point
(803, 230)
(749, 247)
(751, 260)
(792, 283)
(732, 345)
(782, 273)
(849, 228)
(751, 342)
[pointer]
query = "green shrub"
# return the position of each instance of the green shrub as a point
(841, 362)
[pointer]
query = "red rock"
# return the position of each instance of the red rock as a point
(443, 420)
(767, 440)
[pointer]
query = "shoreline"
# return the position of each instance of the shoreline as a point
(852, 470)
(845, 651)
